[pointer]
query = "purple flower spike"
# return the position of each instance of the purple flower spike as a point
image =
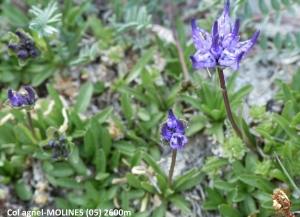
(221, 48)
(31, 94)
(22, 54)
(172, 131)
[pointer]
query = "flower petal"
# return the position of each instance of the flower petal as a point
(178, 141)
(13, 99)
(180, 127)
(231, 57)
(203, 59)
(172, 120)
(201, 38)
(224, 22)
(22, 101)
(165, 132)
(247, 47)
(31, 94)
(232, 38)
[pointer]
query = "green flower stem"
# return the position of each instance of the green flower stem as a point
(229, 113)
(30, 124)
(174, 153)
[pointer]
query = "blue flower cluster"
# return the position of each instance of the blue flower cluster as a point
(25, 47)
(57, 145)
(172, 132)
(222, 47)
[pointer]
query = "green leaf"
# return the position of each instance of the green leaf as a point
(161, 210)
(55, 96)
(91, 191)
(126, 148)
(275, 4)
(77, 162)
(135, 193)
(101, 161)
(146, 56)
(69, 183)
(251, 160)
(89, 143)
(114, 160)
(210, 205)
(182, 204)
(23, 190)
(126, 107)
(84, 97)
(252, 180)
(101, 176)
(191, 182)
(143, 114)
(214, 195)
(133, 181)
(151, 162)
(136, 159)
(222, 185)
(105, 141)
(149, 188)
(287, 92)
(238, 168)
(42, 76)
(285, 2)
(263, 42)
(61, 170)
(138, 95)
(216, 164)
(268, 205)
(262, 196)
(285, 125)
(231, 195)
(104, 114)
(241, 93)
(162, 183)
(180, 180)
(278, 40)
(228, 211)
(287, 174)
(24, 135)
(112, 191)
(263, 132)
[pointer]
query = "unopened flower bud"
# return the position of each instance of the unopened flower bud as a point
(21, 35)
(13, 47)
(22, 54)
(34, 53)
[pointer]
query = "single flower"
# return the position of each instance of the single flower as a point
(21, 100)
(222, 47)
(173, 130)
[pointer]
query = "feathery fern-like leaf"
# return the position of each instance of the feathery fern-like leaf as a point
(45, 19)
